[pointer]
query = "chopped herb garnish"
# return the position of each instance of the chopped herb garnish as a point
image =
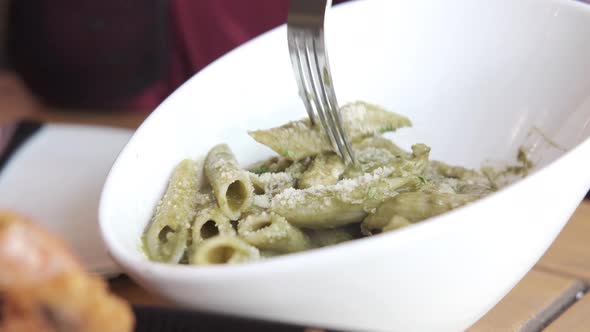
(372, 193)
(260, 169)
(289, 154)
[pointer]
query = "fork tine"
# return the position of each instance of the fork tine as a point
(323, 71)
(297, 63)
(329, 125)
(316, 88)
(305, 35)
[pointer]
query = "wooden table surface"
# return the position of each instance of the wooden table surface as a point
(551, 297)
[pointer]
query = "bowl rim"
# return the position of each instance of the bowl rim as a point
(185, 272)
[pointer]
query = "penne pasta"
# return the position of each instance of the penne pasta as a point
(223, 250)
(329, 237)
(412, 207)
(215, 212)
(343, 203)
(210, 222)
(299, 139)
(231, 185)
(271, 232)
(325, 169)
(166, 236)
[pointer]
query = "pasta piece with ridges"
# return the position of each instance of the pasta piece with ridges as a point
(413, 207)
(343, 203)
(271, 183)
(231, 185)
(380, 142)
(328, 237)
(414, 164)
(165, 237)
(222, 249)
(270, 165)
(268, 231)
(325, 169)
(299, 139)
(210, 222)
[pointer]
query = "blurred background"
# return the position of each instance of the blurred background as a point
(116, 56)
(81, 60)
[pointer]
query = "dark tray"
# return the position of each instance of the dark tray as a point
(159, 319)
(24, 130)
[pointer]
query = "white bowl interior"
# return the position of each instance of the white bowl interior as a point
(474, 89)
(478, 79)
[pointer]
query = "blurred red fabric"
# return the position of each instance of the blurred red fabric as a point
(109, 54)
(202, 31)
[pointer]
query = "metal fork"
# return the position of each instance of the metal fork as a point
(305, 33)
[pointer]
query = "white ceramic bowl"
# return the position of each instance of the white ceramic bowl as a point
(475, 76)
